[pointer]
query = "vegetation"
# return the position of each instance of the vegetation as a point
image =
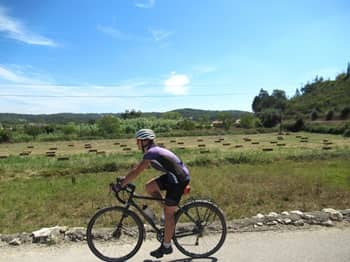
(38, 191)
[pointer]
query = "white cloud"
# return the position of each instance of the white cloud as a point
(204, 69)
(145, 3)
(160, 35)
(113, 32)
(176, 84)
(14, 29)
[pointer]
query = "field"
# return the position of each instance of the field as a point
(47, 184)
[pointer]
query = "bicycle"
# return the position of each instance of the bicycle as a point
(116, 233)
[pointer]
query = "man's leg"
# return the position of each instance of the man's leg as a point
(153, 189)
(169, 227)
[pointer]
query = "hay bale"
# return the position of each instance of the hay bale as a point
(30, 147)
(50, 153)
(101, 152)
(116, 143)
(217, 141)
(126, 149)
(180, 143)
(238, 146)
(25, 153)
(87, 146)
(327, 148)
(304, 141)
(255, 143)
(172, 141)
(247, 139)
(273, 142)
(182, 148)
(123, 145)
(281, 144)
(199, 140)
(201, 145)
(92, 151)
(204, 151)
(63, 158)
(327, 143)
(53, 148)
(226, 144)
(3, 156)
(280, 138)
(266, 149)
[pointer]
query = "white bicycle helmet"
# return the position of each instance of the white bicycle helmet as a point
(145, 134)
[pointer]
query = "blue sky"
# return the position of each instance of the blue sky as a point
(157, 55)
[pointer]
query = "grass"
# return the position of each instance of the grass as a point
(37, 191)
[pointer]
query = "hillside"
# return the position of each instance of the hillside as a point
(63, 118)
(322, 97)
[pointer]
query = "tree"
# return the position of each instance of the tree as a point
(249, 121)
(172, 115)
(270, 117)
(5, 136)
(109, 125)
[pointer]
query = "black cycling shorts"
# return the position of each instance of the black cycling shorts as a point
(174, 191)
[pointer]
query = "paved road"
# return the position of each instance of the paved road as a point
(317, 245)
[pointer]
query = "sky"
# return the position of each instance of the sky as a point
(108, 56)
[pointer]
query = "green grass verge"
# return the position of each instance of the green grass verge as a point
(29, 203)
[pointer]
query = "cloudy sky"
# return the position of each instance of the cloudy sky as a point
(158, 55)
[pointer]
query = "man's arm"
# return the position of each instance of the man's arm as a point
(135, 172)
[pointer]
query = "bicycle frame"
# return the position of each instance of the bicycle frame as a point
(131, 203)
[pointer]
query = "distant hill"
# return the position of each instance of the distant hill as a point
(196, 114)
(323, 96)
(90, 117)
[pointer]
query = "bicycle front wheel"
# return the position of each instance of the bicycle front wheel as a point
(115, 234)
(200, 229)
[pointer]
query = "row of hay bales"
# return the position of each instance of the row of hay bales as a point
(52, 152)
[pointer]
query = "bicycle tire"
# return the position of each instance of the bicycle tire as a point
(193, 232)
(102, 235)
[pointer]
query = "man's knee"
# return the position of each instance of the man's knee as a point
(152, 187)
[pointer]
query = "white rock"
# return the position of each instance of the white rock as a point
(259, 216)
(15, 242)
(272, 214)
(285, 213)
(333, 214)
(287, 221)
(272, 223)
(328, 223)
(297, 212)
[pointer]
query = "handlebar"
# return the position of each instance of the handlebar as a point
(116, 188)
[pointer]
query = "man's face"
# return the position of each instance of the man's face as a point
(139, 143)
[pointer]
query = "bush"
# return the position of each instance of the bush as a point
(313, 115)
(295, 126)
(5, 136)
(345, 112)
(329, 115)
(346, 133)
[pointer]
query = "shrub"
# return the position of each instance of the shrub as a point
(329, 115)
(313, 115)
(345, 112)
(346, 133)
(4, 136)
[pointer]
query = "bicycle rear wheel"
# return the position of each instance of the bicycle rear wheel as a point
(200, 229)
(115, 234)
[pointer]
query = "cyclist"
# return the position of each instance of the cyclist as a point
(174, 180)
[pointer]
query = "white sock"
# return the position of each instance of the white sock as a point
(167, 245)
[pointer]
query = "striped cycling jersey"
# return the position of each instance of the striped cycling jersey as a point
(166, 161)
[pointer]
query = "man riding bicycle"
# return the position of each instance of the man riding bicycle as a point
(174, 180)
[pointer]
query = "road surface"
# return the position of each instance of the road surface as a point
(316, 245)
